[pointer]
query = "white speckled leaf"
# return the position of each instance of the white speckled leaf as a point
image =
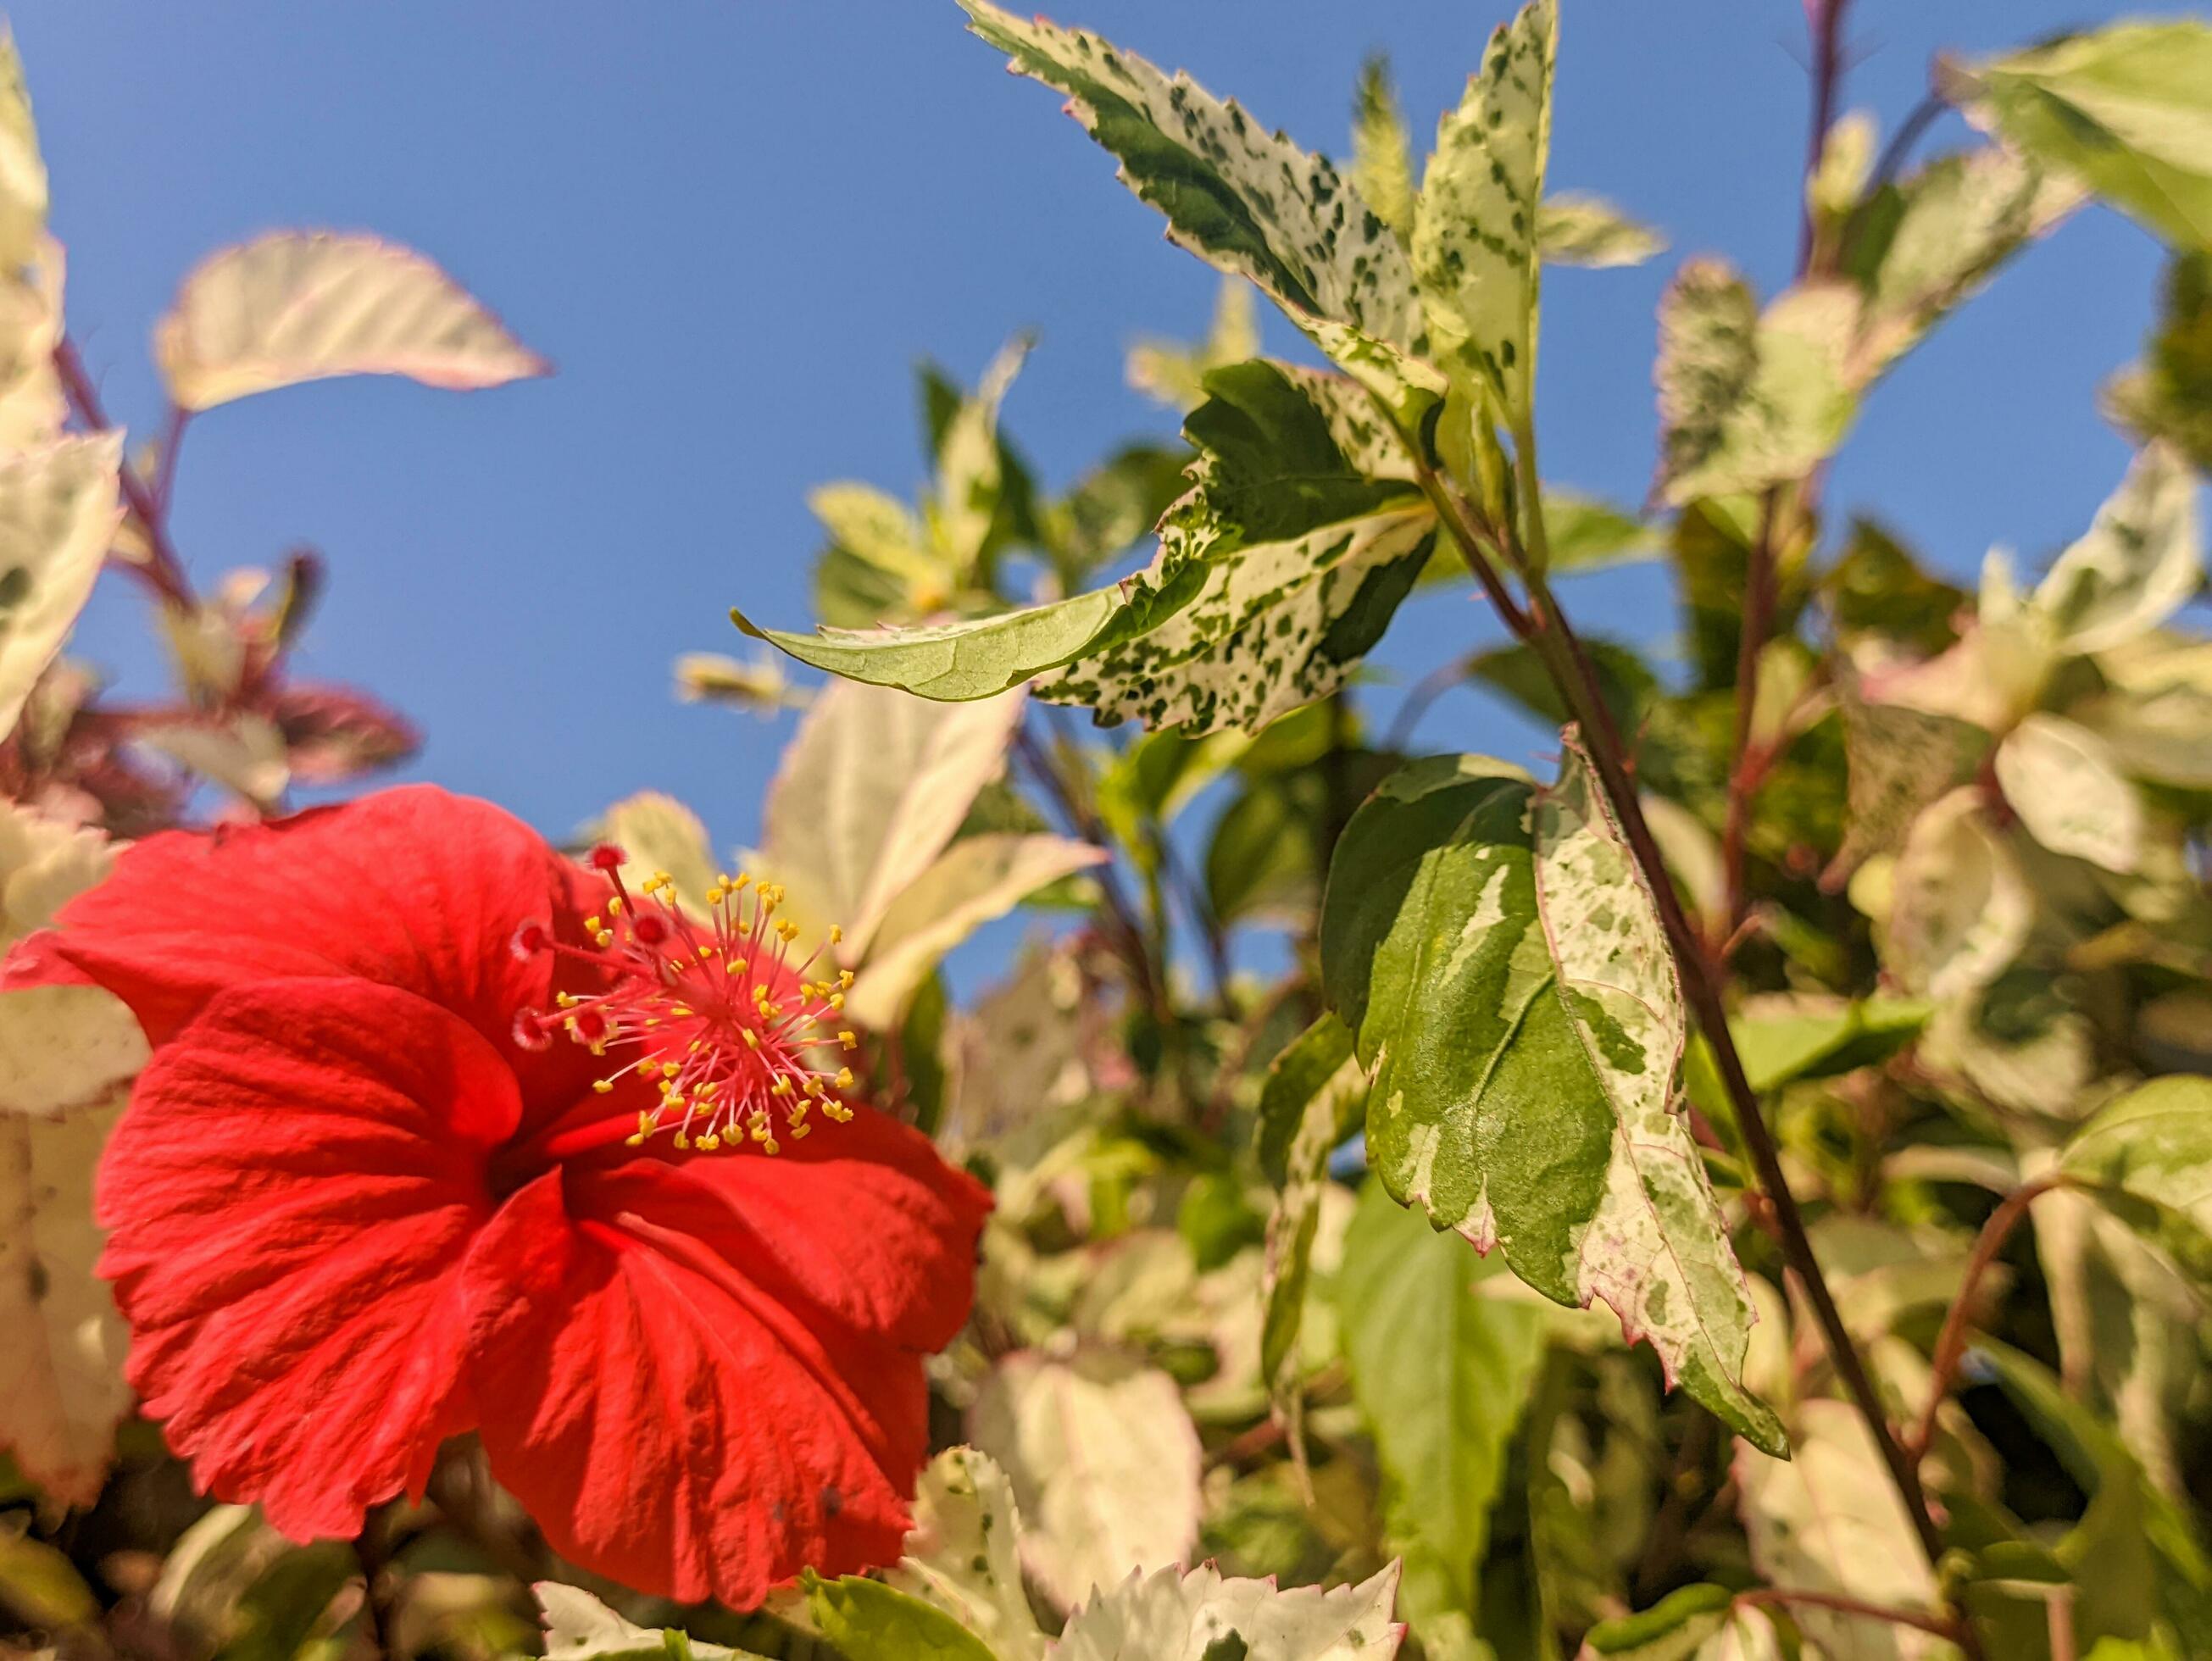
(580, 1628)
(1304, 529)
(963, 1553)
(1500, 963)
(1122, 1424)
(295, 305)
(2068, 790)
(58, 509)
(1245, 199)
(1475, 224)
(2138, 563)
(1174, 1616)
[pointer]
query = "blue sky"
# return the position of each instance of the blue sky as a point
(734, 226)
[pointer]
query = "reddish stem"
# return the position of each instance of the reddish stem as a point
(1792, 1596)
(1951, 1343)
(164, 572)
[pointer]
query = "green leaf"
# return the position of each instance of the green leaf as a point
(1441, 1368)
(2149, 1154)
(1382, 150)
(2067, 787)
(1675, 1629)
(1199, 1616)
(1624, 681)
(299, 306)
(1749, 399)
(1247, 201)
(982, 657)
(1778, 1044)
(963, 1553)
(58, 509)
(2140, 560)
(580, 1628)
(1123, 1425)
(1306, 527)
(1319, 1085)
(1931, 241)
(1500, 962)
(2125, 109)
(1475, 225)
(1117, 504)
(1575, 229)
(1584, 533)
(968, 473)
(1303, 1073)
(868, 1620)
(2169, 394)
(1828, 1520)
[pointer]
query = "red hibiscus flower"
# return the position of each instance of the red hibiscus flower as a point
(443, 1134)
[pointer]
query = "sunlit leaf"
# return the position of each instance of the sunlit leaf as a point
(1476, 222)
(871, 790)
(1176, 374)
(2122, 108)
(2150, 1153)
(976, 879)
(1124, 1424)
(1382, 149)
(296, 306)
(1828, 1520)
(963, 1553)
(22, 169)
(659, 833)
(1170, 1615)
(243, 751)
(1494, 950)
(969, 475)
(1442, 1367)
(1576, 229)
(58, 506)
(1248, 200)
(2157, 713)
(2066, 784)
(1319, 1087)
(2139, 562)
(1696, 1623)
(760, 686)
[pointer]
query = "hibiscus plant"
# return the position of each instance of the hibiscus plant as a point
(1742, 1189)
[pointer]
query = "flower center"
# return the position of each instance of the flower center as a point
(717, 1014)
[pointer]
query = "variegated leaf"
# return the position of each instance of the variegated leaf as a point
(296, 306)
(1475, 224)
(1245, 199)
(1382, 149)
(963, 1553)
(968, 470)
(23, 192)
(1961, 907)
(1305, 528)
(1497, 957)
(58, 509)
(1747, 398)
(580, 1628)
(1201, 1615)
(2138, 563)
(1577, 229)
(2067, 787)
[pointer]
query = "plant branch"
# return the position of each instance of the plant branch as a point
(1825, 20)
(1951, 1343)
(1793, 1598)
(372, 1549)
(162, 571)
(1748, 769)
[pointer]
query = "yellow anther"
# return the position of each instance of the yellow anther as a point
(845, 979)
(837, 1000)
(844, 1078)
(752, 1039)
(592, 924)
(742, 879)
(637, 1141)
(768, 1147)
(798, 1132)
(564, 1000)
(848, 1040)
(683, 1142)
(602, 1086)
(709, 1141)
(837, 934)
(615, 906)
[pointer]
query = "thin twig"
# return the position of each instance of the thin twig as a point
(1824, 19)
(1951, 1343)
(1792, 1596)
(163, 571)
(1748, 769)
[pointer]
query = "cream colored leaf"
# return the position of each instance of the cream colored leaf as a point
(1576, 229)
(2157, 713)
(1960, 906)
(32, 407)
(2139, 562)
(58, 508)
(659, 833)
(22, 169)
(1828, 1521)
(63, 1046)
(299, 306)
(874, 784)
(580, 1628)
(1173, 1616)
(2067, 786)
(1105, 1462)
(61, 1382)
(962, 1553)
(976, 879)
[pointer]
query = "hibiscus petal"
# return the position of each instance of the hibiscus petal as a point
(687, 1391)
(291, 1196)
(412, 887)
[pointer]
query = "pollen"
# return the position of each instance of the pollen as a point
(740, 1039)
